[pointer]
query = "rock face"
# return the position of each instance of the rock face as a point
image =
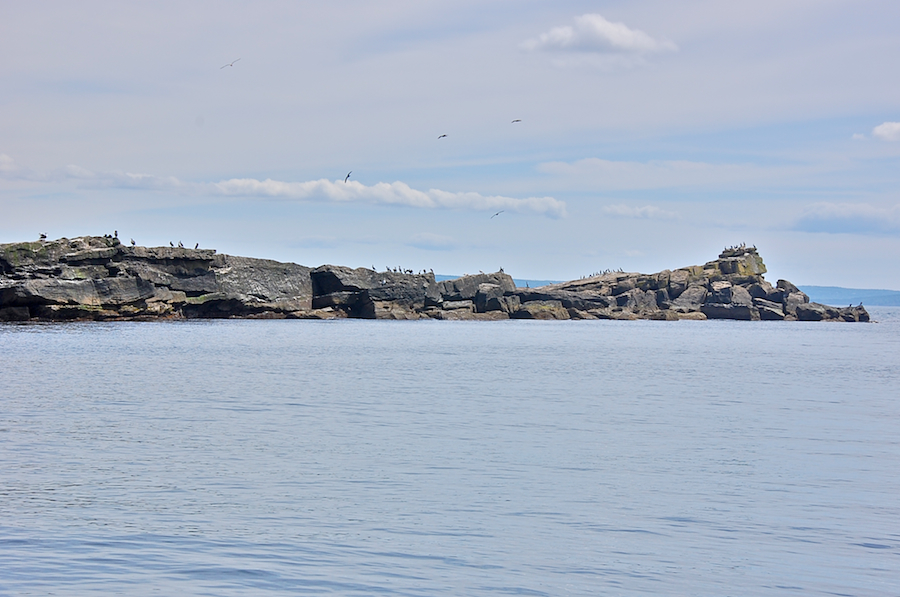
(99, 278)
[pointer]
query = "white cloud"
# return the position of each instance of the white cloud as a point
(658, 174)
(649, 212)
(851, 218)
(858, 137)
(338, 191)
(395, 193)
(889, 131)
(593, 33)
(7, 165)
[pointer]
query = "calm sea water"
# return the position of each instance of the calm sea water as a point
(450, 458)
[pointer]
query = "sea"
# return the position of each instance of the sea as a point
(430, 458)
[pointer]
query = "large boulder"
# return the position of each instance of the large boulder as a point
(541, 310)
(768, 310)
(363, 292)
(491, 297)
(466, 287)
(690, 300)
(730, 311)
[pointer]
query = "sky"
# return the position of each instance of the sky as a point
(580, 136)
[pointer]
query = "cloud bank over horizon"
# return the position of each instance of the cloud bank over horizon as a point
(337, 191)
(850, 218)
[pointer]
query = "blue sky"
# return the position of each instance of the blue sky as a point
(652, 133)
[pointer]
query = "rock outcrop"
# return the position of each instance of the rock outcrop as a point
(99, 278)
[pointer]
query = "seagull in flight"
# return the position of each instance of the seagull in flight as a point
(517, 120)
(229, 64)
(442, 136)
(348, 176)
(496, 214)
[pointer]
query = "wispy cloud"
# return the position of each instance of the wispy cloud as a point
(647, 212)
(592, 33)
(658, 174)
(337, 191)
(852, 218)
(888, 131)
(395, 193)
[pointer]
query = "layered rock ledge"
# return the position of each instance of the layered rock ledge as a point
(98, 278)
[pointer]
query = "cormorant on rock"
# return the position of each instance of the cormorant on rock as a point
(180, 246)
(43, 236)
(170, 244)
(197, 246)
(132, 242)
(116, 233)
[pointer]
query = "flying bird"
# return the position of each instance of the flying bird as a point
(442, 136)
(229, 64)
(346, 178)
(497, 214)
(517, 120)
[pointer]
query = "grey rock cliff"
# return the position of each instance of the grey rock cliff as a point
(99, 278)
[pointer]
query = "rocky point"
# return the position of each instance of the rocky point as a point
(99, 278)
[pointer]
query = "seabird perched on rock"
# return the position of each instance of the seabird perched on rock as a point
(116, 233)
(197, 246)
(132, 242)
(170, 244)
(180, 246)
(43, 236)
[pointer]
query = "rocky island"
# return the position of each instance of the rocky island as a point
(99, 278)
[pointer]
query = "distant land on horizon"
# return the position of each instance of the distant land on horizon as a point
(827, 295)
(838, 296)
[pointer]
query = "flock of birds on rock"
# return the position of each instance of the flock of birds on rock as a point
(603, 273)
(403, 270)
(115, 234)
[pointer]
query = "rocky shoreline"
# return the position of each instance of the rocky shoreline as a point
(99, 278)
